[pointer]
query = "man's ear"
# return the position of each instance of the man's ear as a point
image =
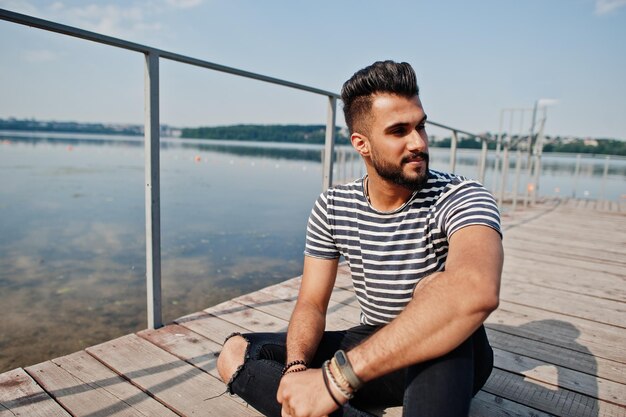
(360, 143)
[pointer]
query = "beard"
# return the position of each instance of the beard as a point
(395, 173)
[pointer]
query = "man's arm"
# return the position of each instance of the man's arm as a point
(445, 310)
(447, 307)
(308, 319)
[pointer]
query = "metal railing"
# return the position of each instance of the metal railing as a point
(151, 135)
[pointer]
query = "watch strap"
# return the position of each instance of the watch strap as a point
(345, 367)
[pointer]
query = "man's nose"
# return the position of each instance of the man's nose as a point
(415, 142)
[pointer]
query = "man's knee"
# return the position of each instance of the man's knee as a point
(231, 357)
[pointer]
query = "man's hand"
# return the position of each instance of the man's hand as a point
(303, 394)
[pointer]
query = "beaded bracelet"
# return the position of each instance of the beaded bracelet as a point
(291, 371)
(292, 363)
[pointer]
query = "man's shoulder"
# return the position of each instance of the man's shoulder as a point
(348, 190)
(440, 178)
(342, 197)
(444, 182)
(444, 187)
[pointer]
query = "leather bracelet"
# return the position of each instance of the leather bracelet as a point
(346, 394)
(328, 387)
(292, 363)
(345, 367)
(334, 369)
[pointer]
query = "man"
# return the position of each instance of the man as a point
(425, 254)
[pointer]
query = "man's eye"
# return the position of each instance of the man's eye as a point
(420, 127)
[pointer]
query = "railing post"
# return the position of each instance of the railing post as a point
(605, 176)
(153, 198)
(505, 172)
(576, 172)
(518, 169)
(329, 145)
(538, 156)
(483, 161)
(496, 163)
(453, 151)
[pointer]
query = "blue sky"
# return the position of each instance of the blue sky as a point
(472, 58)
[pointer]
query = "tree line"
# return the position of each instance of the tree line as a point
(307, 134)
(310, 134)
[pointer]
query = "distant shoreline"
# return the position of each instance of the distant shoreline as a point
(73, 137)
(295, 134)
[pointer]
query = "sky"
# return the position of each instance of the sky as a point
(472, 58)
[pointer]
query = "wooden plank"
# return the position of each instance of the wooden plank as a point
(247, 317)
(559, 246)
(548, 398)
(210, 326)
(189, 346)
(590, 269)
(182, 387)
(483, 404)
(565, 278)
(584, 265)
(578, 305)
(571, 223)
(587, 384)
(486, 404)
(267, 303)
(21, 396)
(186, 345)
(559, 330)
(566, 232)
(339, 316)
(342, 292)
(576, 217)
(568, 226)
(558, 355)
(291, 283)
(340, 295)
(601, 248)
(564, 257)
(585, 331)
(85, 387)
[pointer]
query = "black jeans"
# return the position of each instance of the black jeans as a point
(442, 387)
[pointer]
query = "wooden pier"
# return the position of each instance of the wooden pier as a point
(559, 336)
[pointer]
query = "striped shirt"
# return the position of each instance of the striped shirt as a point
(389, 252)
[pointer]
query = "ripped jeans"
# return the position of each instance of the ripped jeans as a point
(442, 387)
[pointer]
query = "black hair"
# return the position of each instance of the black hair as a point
(380, 77)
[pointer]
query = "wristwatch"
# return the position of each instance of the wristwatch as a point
(346, 369)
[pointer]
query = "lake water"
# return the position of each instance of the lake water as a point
(233, 219)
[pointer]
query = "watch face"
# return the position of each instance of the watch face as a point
(341, 358)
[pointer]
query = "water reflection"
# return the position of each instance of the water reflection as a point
(72, 235)
(238, 148)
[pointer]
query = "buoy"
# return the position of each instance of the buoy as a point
(197, 158)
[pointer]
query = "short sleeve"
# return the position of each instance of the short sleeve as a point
(319, 239)
(469, 203)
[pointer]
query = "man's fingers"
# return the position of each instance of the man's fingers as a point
(285, 411)
(279, 393)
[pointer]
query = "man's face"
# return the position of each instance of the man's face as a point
(398, 140)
